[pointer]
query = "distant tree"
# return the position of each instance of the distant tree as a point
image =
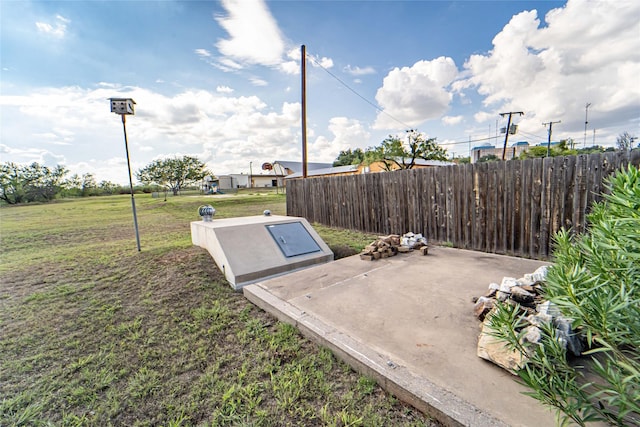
(44, 183)
(624, 141)
(560, 149)
(591, 150)
(488, 158)
(89, 185)
(32, 183)
(173, 173)
(348, 157)
(12, 183)
(535, 151)
(395, 154)
(108, 187)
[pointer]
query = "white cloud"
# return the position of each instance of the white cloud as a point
(323, 62)
(227, 64)
(357, 71)
(347, 133)
(254, 36)
(290, 67)
(257, 81)
(58, 29)
(452, 120)
(483, 116)
(203, 53)
(587, 52)
(230, 131)
(224, 89)
(415, 94)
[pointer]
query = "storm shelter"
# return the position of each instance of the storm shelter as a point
(250, 249)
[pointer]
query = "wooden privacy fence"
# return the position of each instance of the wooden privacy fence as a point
(511, 207)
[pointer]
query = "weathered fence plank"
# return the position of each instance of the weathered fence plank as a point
(511, 207)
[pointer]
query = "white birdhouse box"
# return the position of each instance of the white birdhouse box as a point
(122, 105)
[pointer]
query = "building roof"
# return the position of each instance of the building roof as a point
(484, 147)
(297, 166)
(326, 171)
(355, 168)
(422, 162)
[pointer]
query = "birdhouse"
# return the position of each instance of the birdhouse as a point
(122, 105)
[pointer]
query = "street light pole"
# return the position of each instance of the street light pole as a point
(133, 200)
(124, 106)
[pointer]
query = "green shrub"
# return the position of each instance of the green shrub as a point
(595, 281)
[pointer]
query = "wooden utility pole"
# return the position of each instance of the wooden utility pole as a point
(549, 132)
(303, 62)
(506, 134)
(586, 122)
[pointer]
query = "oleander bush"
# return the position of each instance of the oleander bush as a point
(595, 282)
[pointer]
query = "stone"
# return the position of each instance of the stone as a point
(548, 308)
(404, 249)
(502, 296)
(482, 307)
(567, 337)
(540, 275)
(525, 281)
(538, 319)
(497, 351)
(519, 295)
(529, 288)
(366, 257)
(412, 240)
(424, 250)
(491, 293)
(508, 283)
(532, 334)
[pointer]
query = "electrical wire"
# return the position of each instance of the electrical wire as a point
(541, 138)
(468, 141)
(312, 59)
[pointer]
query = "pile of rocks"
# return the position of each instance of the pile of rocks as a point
(526, 293)
(393, 244)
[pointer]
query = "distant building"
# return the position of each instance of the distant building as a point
(362, 168)
(486, 150)
(287, 168)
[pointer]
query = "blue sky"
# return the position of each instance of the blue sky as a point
(221, 80)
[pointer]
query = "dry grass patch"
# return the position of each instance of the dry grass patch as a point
(94, 333)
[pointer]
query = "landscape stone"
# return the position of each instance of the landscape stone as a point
(521, 296)
(508, 283)
(567, 336)
(496, 351)
(532, 334)
(548, 308)
(482, 307)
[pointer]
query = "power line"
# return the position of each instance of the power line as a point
(356, 93)
(343, 83)
(467, 141)
(541, 138)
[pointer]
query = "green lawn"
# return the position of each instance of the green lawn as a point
(94, 333)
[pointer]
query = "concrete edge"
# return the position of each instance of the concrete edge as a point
(427, 397)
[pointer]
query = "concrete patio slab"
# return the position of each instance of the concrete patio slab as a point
(408, 322)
